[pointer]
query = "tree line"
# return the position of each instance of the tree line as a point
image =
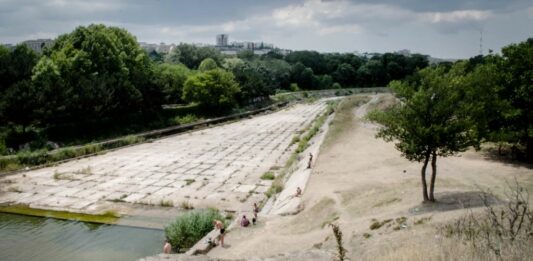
(98, 73)
(447, 108)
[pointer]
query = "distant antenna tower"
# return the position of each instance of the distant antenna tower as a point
(480, 42)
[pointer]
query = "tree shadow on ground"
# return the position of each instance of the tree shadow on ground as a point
(448, 201)
(506, 156)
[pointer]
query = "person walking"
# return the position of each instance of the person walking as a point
(219, 225)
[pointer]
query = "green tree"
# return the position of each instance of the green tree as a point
(214, 89)
(207, 64)
(434, 118)
(170, 78)
(192, 56)
(345, 74)
(517, 68)
(104, 72)
(246, 55)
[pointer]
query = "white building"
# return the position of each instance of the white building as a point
(39, 44)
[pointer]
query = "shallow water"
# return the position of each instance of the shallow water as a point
(35, 238)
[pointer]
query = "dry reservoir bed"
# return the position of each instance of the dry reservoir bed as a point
(216, 167)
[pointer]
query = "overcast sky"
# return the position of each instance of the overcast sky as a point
(440, 28)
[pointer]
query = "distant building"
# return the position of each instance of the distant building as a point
(222, 40)
(234, 47)
(160, 48)
(39, 44)
(9, 46)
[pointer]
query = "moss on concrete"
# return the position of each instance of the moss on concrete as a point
(109, 217)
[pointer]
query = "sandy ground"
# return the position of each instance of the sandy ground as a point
(358, 178)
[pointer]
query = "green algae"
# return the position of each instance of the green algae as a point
(108, 217)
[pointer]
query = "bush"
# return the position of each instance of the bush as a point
(189, 118)
(268, 176)
(294, 87)
(190, 227)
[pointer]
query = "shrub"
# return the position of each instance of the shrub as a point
(190, 227)
(189, 118)
(268, 176)
(294, 87)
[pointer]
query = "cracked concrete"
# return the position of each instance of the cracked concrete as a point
(216, 167)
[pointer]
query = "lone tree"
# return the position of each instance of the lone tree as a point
(438, 115)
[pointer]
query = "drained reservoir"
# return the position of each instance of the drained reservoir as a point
(36, 238)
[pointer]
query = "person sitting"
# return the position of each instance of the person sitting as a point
(244, 221)
(298, 192)
(167, 248)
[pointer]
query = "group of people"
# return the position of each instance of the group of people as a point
(245, 222)
(219, 226)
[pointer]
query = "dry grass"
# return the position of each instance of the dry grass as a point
(343, 119)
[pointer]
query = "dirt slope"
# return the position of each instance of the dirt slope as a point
(358, 180)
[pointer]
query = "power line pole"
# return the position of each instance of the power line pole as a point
(481, 42)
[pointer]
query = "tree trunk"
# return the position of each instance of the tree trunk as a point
(423, 176)
(433, 176)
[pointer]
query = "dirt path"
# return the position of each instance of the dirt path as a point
(358, 180)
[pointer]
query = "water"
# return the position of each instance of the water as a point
(35, 238)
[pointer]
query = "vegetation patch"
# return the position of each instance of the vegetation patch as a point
(108, 217)
(166, 203)
(303, 143)
(422, 221)
(190, 227)
(269, 175)
(387, 202)
(376, 224)
(499, 232)
(186, 205)
(344, 118)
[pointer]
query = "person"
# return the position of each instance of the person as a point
(256, 210)
(310, 160)
(298, 192)
(244, 221)
(167, 248)
(220, 226)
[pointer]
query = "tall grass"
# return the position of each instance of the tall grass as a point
(190, 227)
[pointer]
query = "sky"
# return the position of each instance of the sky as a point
(440, 28)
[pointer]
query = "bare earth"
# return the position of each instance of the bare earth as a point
(218, 167)
(358, 178)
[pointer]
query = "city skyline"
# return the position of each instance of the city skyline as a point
(446, 30)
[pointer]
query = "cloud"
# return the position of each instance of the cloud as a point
(439, 27)
(456, 16)
(339, 29)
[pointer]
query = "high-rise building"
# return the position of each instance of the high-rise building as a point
(222, 40)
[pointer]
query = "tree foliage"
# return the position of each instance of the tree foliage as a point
(439, 114)
(170, 78)
(214, 89)
(102, 70)
(192, 56)
(517, 68)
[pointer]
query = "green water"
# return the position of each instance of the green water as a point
(34, 238)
